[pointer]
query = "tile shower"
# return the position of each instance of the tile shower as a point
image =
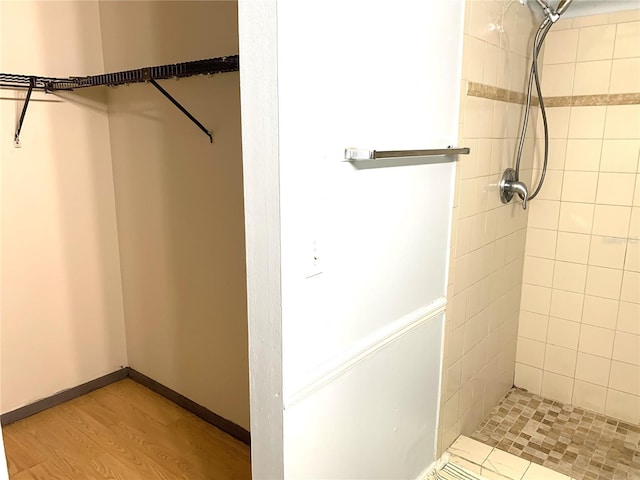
(560, 281)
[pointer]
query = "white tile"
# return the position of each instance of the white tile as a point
(506, 464)
(596, 341)
(623, 406)
(470, 449)
(529, 378)
(557, 387)
(560, 360)
(625, 378)
(589, 396)
(538, 472)
(563, 333)
(593, 369)
(626, 348)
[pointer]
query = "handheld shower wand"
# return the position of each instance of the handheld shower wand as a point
(510, 182)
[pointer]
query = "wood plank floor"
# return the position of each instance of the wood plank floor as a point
(126, 432)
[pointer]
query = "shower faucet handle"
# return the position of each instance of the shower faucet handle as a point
(509, 185)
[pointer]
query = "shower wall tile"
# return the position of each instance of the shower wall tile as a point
(620, 155)
(587, 122)
(573, 247)
(623, 121)
(593, 317)
(591, 78)
(488, 238)
(595, 43)
(626, 40)
(569, 41)
(583, 155)
(625, 75)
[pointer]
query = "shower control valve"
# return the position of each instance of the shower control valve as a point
(509, 185)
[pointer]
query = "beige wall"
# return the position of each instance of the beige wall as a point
(488, 238)
(579, 336)
(62, 310)
(180, 202)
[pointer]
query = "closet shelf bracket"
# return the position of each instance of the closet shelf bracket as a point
(16, 139)
(181, 108)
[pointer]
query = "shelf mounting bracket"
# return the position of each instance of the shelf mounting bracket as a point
(178, 105)
(16, 139)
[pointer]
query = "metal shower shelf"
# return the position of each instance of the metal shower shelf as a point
(209, 66)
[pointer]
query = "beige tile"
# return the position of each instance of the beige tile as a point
(624, 16)
(533, 326)
(600, 312)
(622, 121)
(623, 405)
(563, 333)
(589, 122)
(541, 243)
(589, 396)
(625, 378)
(603, 282)
(557, 387)
(596, 43)
(592, 78)
(466, 464)
(634, 226)
(450, 412)
(628, 315)
(474, 58)
(544, 214)
(620, 156)
(632, 258)
(552, 186)
(590, 21)
(630, 287)
(470, 449)
(538, 271)
(566, 305)
(529, 378)
(576, 217)
(558, 122)
(491, 62)
(626, 40)
(506, 464)
(596, 341)
(557, 80)
(568, 39)
(573, 247)
(530, 352)
(607, 251)
(625, 75)
(636, 195)
(579, 186)
(537, 472)
(557, 152)
(611, 221)
(536, 299)
(615, 188)
(569, 276)
(583, 154)
(560, 360)
(626, 348)
(593, 369)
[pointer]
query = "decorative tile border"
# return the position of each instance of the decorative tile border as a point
(502, 94)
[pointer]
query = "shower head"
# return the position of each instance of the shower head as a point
(562, 6)
(552, 14)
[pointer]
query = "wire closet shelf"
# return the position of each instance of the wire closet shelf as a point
(210, 66)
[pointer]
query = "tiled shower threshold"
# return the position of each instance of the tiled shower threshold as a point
(525, 431)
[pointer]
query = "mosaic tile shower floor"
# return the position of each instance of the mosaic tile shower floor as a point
(578, 443)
